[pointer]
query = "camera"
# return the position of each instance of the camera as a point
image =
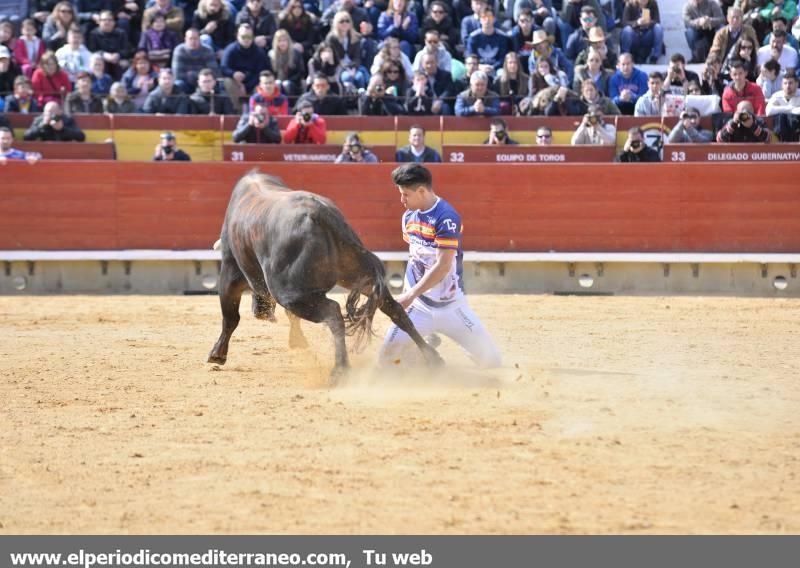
(306, 116)
(167, 149)
(592, 118)
(56, 118)
(500, 134)
(355, 148)
(636, 144)
(260, 117)
(744, 116)
(676, 68)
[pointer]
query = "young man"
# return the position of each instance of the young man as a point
(417, 151)
(433, 292)
(7, 152)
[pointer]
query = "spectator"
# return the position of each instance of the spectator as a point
(401, 23)
(729, 34)
(320, 99)
(118, 102)
(215, 24)
(593, 130)
(301, 26)
(777, 49)
(394, 80)
(375, 102)
(522, 37)
(701, 20)
(627, 84)
(740, 89)
(787, 100)
(487, 43)
(166, 98)
(139, 79)
(744, 52)
(261, 21)
(652, 102)
(357, 15)
(50, 83)
(208, 98)
(712, 82)
(472, 22)
(58, 23)
(22, 100)
(287, 63)
(242, 61)
(598, 42)
(762, 16)
(579, 39)
(544, 136)
(9, 71)
(346, 43)
(563, 102)
(189, 58)
(82, 100)
(416, 150)
(29, 48)
(53, 126)
(440, 85)
(390, 51)
(257, 126)
(419, 99)
(769, 80)
(478, 100)
(111, 42)
(642, 34)
(543, 49)
(498, 134)
(543, 12)
(569, 18)
(353, 151)
(781, 23)
(306, 127)
(545, 75)
(269, 95)
(688, 131)
(159, 41)
(591, 96)
(440, 21)
(74, 57)
(594, 71)
(167, 150)
(678, 77)
(129, 18)
(101, 81)
(745, 126)
(636, 150)
(7, 152)
(433, 45)
(173, 15)
(512, 84)
(325, 63)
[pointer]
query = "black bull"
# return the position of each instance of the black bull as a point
(291, 248)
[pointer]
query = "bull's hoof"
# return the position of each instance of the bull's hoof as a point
(337, 375)
(217, 359)
(266, 317)
(264, 308)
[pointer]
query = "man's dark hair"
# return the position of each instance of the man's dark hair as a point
(773, 66)
(780, 18)
(412, 175)
(737, 64)
(677, 57)
(266, 73)
(419, 126)
(487, 10)
(636, 130)
(655, 75)
(498, 122)
(7, 129)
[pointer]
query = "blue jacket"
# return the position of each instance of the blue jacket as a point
(465, 100)
(251, 61)
(558, 58)
(636, 84)
(490, 49)
(386, 28)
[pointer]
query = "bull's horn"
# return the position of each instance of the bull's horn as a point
(217, 244)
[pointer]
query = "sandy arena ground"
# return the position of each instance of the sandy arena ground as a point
(613, 415)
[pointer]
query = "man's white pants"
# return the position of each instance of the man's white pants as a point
(455, 320)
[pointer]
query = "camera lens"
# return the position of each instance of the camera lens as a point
(167, 149)
(636, 144)
(307, 116)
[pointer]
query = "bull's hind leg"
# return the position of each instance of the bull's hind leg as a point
(399, 317)
(319, 308)
(231, 285)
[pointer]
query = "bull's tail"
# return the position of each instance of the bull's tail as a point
(359, 313)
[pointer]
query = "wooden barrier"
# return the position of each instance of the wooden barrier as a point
(731, 152)
(295, 152)
(688, 207)
(68, 150)
(523, 153)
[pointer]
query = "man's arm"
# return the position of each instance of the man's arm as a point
(440, 268)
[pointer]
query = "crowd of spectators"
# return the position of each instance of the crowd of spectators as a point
(314, 58)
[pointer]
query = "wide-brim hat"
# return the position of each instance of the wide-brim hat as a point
(539, 36)
(596, 34)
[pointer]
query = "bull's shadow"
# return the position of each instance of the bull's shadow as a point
(290, 248)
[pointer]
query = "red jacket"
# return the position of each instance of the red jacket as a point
(314, 133)
(50, 88)
(277, 104)
(751, 92)
(21, 54)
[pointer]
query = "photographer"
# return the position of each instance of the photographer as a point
(53, 126)
(257, 127)
(636, 150)
(594, 130)
(353, 151)
(498, 134)
(306, 127)
(168, 151)
(375, 102)
(688, 131)
(678, 77)
(745, 126)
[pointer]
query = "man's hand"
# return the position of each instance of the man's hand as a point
(626, 95)
(261, 41)
(210, 27)
(405, 299)
(479, 106)
(436, 106)
(239, 76)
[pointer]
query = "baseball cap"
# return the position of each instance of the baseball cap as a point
(4, 53)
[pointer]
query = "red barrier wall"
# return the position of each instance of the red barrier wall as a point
(582, 207)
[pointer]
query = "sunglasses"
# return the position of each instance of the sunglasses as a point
(545, 136)
(691, 116)
(747, 47)
(437, 11)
